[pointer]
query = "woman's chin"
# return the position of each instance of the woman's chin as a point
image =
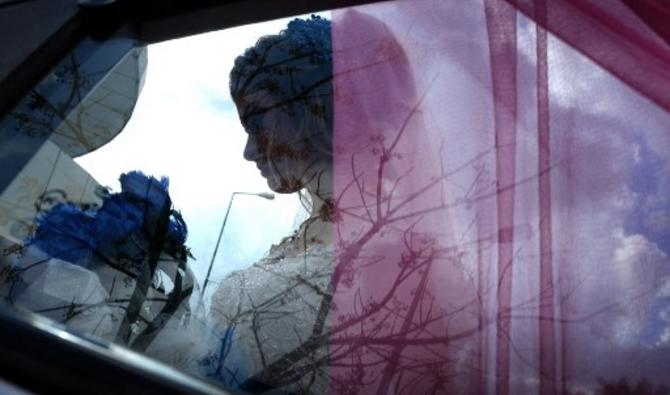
(275, 186)
(282, 186)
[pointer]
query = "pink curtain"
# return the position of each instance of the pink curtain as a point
(503, 212)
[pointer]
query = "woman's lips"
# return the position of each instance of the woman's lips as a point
(263, 167)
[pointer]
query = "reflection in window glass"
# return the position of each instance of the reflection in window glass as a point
(79, 235)
(185, 126)
(418, 197)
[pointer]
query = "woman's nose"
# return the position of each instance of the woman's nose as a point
(250, 149)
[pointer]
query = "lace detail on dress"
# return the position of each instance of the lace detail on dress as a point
(276, 307)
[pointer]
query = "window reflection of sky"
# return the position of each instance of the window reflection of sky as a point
(186, 127)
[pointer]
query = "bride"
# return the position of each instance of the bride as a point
(277, 307)
(78, 269)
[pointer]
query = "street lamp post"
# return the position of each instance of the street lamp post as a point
(264, 195)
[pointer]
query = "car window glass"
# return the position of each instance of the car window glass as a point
(423, 197)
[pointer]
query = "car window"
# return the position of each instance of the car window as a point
(424, 197)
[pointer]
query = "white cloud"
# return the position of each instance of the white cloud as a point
(642, 268)
(664, 339)
(664, 290)
(636, 251)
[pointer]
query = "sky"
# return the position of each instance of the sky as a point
(185, 126)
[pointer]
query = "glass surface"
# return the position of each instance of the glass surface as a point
(64, 140)
(408, 197)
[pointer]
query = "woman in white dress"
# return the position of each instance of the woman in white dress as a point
(278, 309)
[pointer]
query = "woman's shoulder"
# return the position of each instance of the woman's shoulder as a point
(273, 275)
(316, 260)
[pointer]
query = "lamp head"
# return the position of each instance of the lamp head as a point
(267, 195)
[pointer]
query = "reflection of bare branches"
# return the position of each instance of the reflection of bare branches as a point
(46, 116)
(64, 109)
(402, 330)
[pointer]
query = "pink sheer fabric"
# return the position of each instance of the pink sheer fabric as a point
(503, 220)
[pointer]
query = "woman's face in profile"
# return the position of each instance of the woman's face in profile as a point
(284, 156)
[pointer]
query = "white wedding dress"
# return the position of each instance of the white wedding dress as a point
(276, 306)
